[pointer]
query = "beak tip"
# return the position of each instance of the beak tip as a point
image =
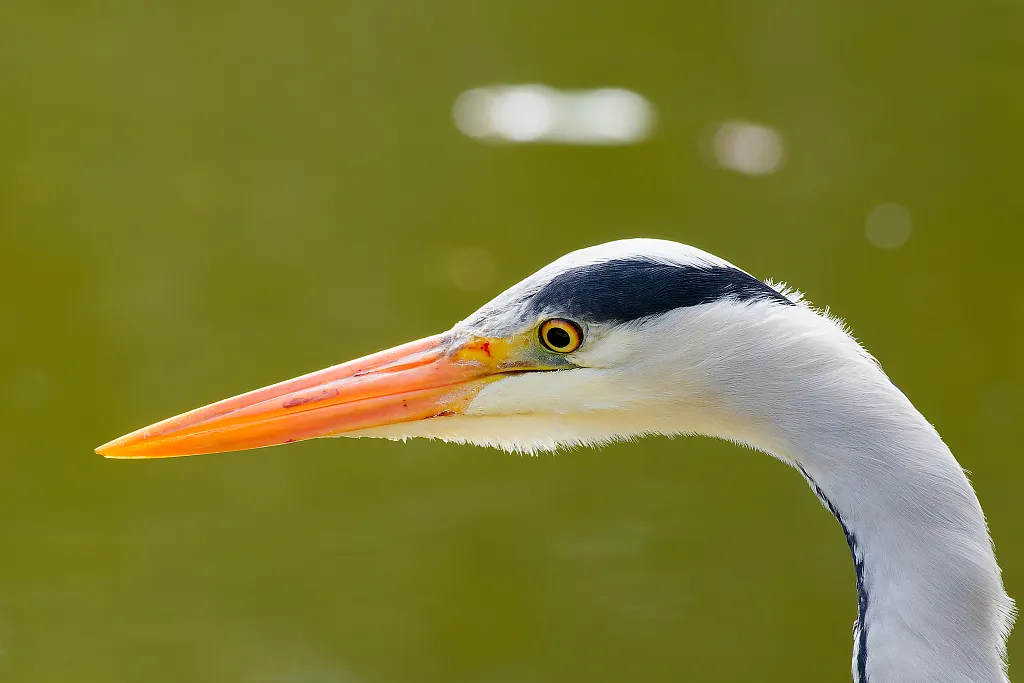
(113, 450)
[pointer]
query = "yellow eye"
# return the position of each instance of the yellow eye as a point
(561, 336)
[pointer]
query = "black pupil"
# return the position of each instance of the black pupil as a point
(558, 338)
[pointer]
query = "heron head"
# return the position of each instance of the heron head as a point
(590, 348)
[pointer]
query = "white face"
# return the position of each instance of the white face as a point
(625, 381)
(652, 375)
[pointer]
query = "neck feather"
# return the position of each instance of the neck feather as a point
(930, 597)
(792, 383)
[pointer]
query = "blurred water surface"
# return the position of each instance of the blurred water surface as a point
(202, 197)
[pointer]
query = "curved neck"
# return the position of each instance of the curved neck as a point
(930, 597)
(931, 605)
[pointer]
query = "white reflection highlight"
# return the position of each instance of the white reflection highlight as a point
(749, 148)
(888, 226)
(536, 113)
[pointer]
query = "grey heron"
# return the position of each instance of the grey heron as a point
(640, 337)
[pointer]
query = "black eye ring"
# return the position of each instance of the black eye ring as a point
(560, 335)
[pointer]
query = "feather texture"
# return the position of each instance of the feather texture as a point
(789, 380)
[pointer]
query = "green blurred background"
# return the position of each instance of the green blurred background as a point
(204, 196)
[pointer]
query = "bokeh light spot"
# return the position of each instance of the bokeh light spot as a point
(888, 226)
(470, 268)
(535, 113)
(748, 148)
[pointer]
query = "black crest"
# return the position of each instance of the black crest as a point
(619, 290)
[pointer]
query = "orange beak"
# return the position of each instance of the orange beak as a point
(419, 380)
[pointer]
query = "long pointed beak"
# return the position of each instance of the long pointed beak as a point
(419, 380)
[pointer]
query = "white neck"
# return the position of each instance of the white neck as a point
(792, 383)
(931, 600)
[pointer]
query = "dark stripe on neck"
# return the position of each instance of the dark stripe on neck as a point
(626, 289)
(860, 628)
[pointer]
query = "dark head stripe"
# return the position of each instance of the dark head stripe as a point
(626, 289)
